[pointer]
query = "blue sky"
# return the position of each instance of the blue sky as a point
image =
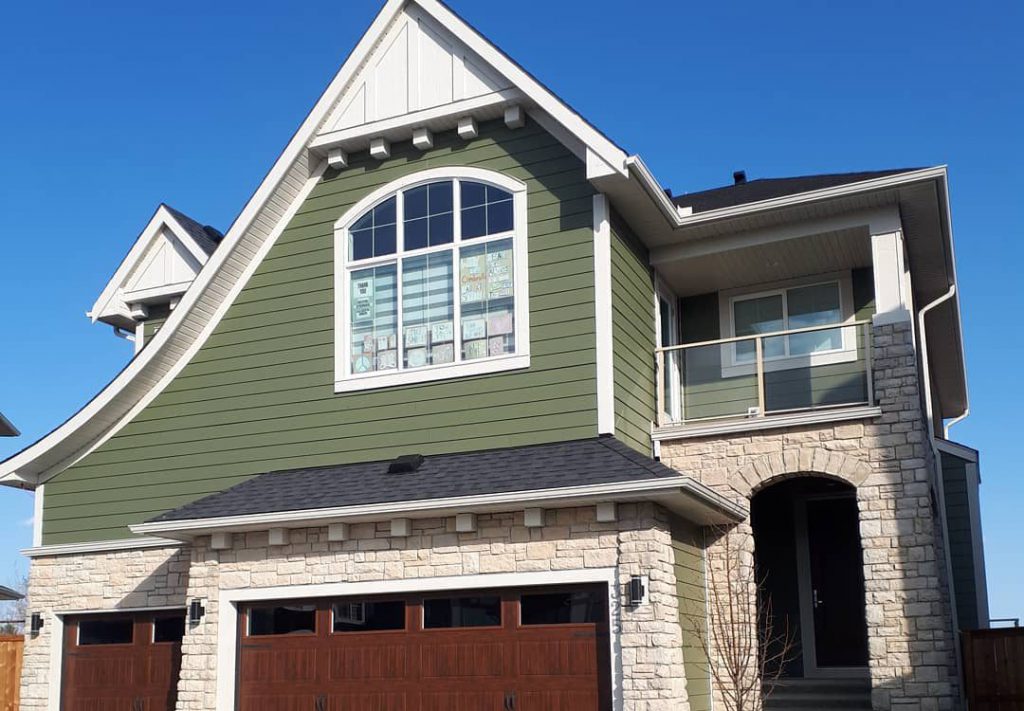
(108, 108)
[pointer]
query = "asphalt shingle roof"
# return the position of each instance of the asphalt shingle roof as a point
(769, 188)
(206, 237)
(600, 460)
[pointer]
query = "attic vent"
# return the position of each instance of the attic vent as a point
(405, 464)
(739, 177)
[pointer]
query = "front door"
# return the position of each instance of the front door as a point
(834, 585)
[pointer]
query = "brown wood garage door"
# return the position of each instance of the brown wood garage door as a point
(122, 662)
(523, 650)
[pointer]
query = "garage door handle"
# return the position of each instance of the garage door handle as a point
(510, 701)
(137, 704)
(321, 703)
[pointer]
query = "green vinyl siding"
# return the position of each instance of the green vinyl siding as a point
(633, 338)
(259, 395)
(688, 560)
(708, 393)
(955, 483)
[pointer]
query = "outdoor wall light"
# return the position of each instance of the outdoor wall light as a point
(196, 611)
(636, 590)
(35, 625)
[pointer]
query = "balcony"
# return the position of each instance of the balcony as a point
(765, 380)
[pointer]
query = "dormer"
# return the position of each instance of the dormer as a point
(156, 272)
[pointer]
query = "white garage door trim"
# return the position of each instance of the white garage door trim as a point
(227, 611)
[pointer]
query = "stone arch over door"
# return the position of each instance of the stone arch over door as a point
(804, 461)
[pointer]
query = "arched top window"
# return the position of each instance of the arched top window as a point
(433, 281)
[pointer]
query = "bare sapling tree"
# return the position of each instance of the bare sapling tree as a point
(746, 647)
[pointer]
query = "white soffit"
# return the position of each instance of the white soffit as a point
(162, 263)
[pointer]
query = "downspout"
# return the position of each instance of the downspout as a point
(939, 488)
(956, 420)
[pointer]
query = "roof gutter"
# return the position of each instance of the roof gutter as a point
(714, 507)
(889, 181)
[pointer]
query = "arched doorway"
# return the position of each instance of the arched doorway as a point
(808, 555)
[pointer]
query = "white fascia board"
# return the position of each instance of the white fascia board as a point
(956, 449)
(889, 181)
(430, 508)
(127, 544)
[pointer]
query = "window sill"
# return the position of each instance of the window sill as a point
(484, 366)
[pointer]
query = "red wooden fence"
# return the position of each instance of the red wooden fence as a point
(10, 672)
(994, 669)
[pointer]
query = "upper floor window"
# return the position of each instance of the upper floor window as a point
(433, 280)
(805, 304)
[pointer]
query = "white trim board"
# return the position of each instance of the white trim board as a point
(129, 544)
(229, 601)
(811, 417)
(683, 494)
(603, 315)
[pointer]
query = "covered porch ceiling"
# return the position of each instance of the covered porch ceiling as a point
(766, 262)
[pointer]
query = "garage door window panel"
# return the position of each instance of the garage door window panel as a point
(106, 632)
(368, 616)
(561, 608)
(449, 612)
(282, 620)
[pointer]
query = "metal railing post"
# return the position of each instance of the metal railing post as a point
(869, 361)
(759, 357)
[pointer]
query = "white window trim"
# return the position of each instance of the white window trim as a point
(347, 382)
(846, 354)
(673, 408)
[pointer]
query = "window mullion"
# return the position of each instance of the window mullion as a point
(456, 267)
(399, 326)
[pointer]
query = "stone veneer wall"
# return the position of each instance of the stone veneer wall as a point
(155, 577)
(889, 461)
(652, 675)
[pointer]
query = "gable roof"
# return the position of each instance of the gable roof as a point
(292, 177)
(161, 264)
(770, 188)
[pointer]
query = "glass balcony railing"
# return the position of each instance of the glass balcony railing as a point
(765, 374)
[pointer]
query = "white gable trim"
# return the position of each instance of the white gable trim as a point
(263, 217)
(162, 232)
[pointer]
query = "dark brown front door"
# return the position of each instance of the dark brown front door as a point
(122, 662)
(523, 650)
(837, 583)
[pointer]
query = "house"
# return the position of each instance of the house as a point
(8, 594)
(461, 410)
(7, 428)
